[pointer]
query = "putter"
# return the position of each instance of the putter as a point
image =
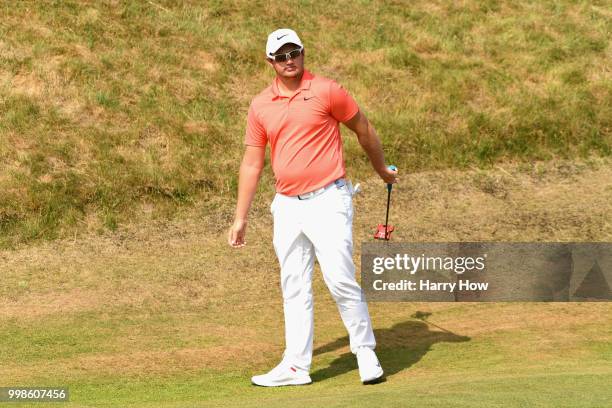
(383, 231)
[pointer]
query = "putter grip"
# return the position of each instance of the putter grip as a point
(389, 185)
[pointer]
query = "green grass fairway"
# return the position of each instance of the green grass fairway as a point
(515, 355)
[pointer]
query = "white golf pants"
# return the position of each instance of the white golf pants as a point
(320, 226)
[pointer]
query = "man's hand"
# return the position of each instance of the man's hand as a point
(389, 176)
(236, 234)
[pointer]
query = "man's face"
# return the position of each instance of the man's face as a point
(291, 68)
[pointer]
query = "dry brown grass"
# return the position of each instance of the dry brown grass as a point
(145, 101)
(552, 202)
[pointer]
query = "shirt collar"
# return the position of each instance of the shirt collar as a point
(304, 83)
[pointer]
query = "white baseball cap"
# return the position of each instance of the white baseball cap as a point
(279, 38)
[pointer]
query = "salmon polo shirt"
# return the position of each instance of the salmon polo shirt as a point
(303, 131)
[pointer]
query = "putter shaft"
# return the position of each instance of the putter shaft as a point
(387, 216)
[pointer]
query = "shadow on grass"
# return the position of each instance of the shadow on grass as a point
(398, 347)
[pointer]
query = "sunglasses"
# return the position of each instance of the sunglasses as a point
(289, 55)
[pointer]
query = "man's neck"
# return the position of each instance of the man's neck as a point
(288, 86)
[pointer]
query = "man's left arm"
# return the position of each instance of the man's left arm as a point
(369, 141)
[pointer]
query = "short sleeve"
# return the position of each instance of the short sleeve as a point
(255, 132)
(343, 106)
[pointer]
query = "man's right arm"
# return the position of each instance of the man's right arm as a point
(250, 172)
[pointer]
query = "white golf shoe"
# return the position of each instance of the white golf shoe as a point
(282, 374)
(370, 370)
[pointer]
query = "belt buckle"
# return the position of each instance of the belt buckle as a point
(340, 182)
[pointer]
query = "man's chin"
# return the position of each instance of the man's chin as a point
(292, 74)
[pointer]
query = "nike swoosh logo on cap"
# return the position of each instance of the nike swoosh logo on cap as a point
(278, 38)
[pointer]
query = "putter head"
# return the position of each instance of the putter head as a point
(380, 232)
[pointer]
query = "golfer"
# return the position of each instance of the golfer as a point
(299, 116)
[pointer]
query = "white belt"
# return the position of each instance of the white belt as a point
(306, 196)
